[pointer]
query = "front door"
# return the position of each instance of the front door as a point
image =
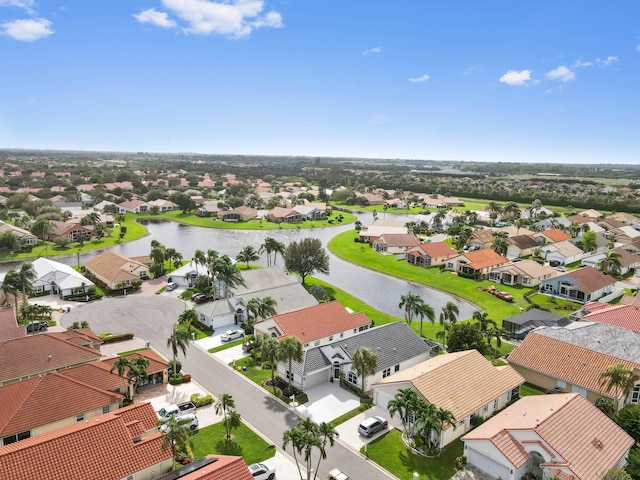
(336, 370)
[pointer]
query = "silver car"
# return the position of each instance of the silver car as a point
(372, 425)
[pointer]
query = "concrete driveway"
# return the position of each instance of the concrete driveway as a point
(327, 402)
(348, 431)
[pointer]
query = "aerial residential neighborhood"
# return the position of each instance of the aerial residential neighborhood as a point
(526, 367)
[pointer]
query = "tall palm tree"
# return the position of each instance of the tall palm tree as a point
(223, 405)
(327, 435)
(483, 320)
(411, 304)
(42, 228)
(248, 254)
(426, 310)
(302, 442)
(229, 274)
(177, 434)
(269, 352)
(364, 362)
(121, 365)
(267, 247)
(137, 373)
(448, 315)
(187, 318)
(290, 350)
(500, 246)
(26, 275)
(178, 340)
(403, 403)
(199, 259)
(610, 264)
(11, 285)
(262, 307)
(619, 380)
(278, 248)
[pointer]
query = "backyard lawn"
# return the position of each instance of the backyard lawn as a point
(244, 443)
(391, 453)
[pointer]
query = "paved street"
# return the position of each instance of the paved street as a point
(151, 317)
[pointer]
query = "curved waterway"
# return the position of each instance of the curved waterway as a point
(380, 291)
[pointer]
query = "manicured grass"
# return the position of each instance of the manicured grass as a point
(209, 222)
(558, 306)
(255, 374)
(245, 443)
(349, 415)
(224, 346)
(390, 452)
(127, 352)
(474, 291)
(527, 389)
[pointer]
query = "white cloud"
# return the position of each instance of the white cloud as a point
(233, 18)
(159, 19)
(28, 30)
(373, 51)
(562, 73)
(17, 3)
(513, 77)
(607, 61)
(581, 64)
(422, 78)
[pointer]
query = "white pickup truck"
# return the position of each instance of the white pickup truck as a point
(179, 409)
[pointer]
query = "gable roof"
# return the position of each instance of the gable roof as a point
(398, 239)
(258, 279)
(109, 265)
(9, 326)
(319, 321)
(564, 360)
(97, 374)
(523, 241)
(556, 235)
(65, 276)
(623, 316)
(28, 404)
(212, 467)
(588, 279)
(434, 250)
(72, 452)
(472, 373)
(483, 258)
(46, 353)
(588, 442)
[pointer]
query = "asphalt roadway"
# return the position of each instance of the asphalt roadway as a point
(151, 318)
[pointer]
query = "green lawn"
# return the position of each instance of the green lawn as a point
(474, 291)
(391, 453)
(224, 346)
(353, 413)
(209, 222)
(558, 306)
(255, 374)
(245, 443)
(527, 389)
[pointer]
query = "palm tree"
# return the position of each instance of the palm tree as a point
(177, 434)
(483, 320)
(157, 257)
(223, 405)
(229, 274)
(364, 362)
(269, 351)
(426, 310)
(278, 248)
(267, 247)
(121, 365)
(187, 318)
(610, 264)
(262, 307)
(303, 440)
(411, 304)
(26, 276)
(11, 285)
(618, 379)
(500, 246)
(403, 404)
(327, 435)
(442, 418)
(137, 372)
(178, 340)
(43, 227)
(199, 259)
(448, 315)
(177, 260)
(248, 254)
(290, 350)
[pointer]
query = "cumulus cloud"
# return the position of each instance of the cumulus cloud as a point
(233, 18)
(607, 61)
(581, 64)
(159, 19)
(562, 73)
(28, 30)
(514, 77)
(17, 3)
(373, 51)
(422, 78)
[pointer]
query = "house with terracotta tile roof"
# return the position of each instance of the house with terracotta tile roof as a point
(239, 214)
(24, 236)
(623, 316)
(116, 271)
(430, 254)
(162, 204)
(396, 346)
(212, 467)
(71, 230)
(9, 328)
(477, 264)
(58, 278)
(464, 383)
(80, 336)
(395, 243)
(572, 358)
(512, 231)
(527, 273)
(26, 407)
(482, 238)
(591, 214)
(158, 369)
(626, 218)
(285, 215)
(47, 353)
(117, 445)
(582, 285)
(553, 436)
(133, 206)
(552, 235)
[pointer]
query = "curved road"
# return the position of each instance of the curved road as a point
(151, 318)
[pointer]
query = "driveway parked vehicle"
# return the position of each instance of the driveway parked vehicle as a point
(372, 425)
(336, 474)
(262, 471)
(171, 286)
(231, 335)
(202, 298)
(37, 326)
(189, 418)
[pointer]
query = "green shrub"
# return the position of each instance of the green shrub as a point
(109, 338)
(200, 401)
(176, 379)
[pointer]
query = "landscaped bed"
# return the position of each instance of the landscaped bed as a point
(244, 443)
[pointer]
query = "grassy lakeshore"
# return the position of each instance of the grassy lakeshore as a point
(209, 222)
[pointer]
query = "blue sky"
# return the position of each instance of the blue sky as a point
(511, 81)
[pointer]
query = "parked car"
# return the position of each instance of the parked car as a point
(37, 326)
(203, 298)
(179, 409)
(196, 296)
(336, 474)
(504, 296)
(171, 286)
(191, 418)
(262, 471)
(231, 335)
(372, 425)
(561, 269)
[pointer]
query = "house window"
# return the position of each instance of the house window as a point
(364, 327)
(495, 404)
(486, 408)
(526, 281)
(396, 368)
(16, 437)
(341, 334)
(80, 417)
(386, 372)
(289, 376)
(635, 394)
(548, 287)
(106, 409)
(353, 378)
(331, 338)
(306, 345)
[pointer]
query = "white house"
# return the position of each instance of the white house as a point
(58, 278)
(561, 253)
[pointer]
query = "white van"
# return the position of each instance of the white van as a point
(336, 474)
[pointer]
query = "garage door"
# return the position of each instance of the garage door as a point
(487, 464)
(382, 399)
